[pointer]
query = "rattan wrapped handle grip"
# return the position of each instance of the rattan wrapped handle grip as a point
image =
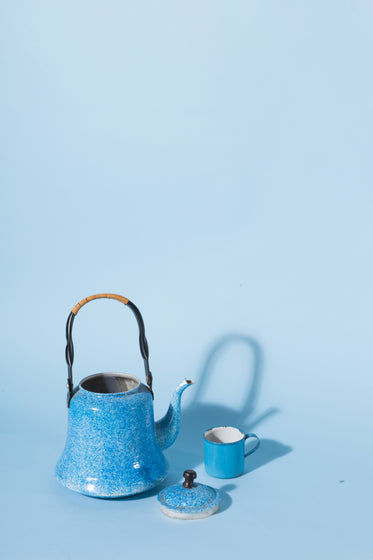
(98, 296)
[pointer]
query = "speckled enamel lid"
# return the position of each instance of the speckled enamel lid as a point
(189, 500)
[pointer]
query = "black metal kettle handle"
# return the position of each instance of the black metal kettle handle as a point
(70, 347)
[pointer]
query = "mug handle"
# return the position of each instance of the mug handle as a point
(255, 446)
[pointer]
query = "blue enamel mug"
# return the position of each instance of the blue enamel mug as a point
(225, 451)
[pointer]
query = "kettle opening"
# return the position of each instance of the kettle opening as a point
(110, 383)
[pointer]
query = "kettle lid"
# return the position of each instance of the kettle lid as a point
(189, 500)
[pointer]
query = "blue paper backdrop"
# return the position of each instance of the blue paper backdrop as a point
(212, 161)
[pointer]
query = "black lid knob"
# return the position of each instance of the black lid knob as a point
(189, 476)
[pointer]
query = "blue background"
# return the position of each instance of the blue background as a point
(212, 161)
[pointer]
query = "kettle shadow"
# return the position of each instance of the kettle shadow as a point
(199, 416)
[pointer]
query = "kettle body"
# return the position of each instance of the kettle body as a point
(113, 446)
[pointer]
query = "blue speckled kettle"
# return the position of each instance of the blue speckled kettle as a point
(113, 446)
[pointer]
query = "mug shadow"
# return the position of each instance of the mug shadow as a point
(268, 451)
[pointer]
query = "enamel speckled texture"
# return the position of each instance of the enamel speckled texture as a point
(189, 503)
(111, 448)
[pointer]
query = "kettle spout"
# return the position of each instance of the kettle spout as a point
(167, 428)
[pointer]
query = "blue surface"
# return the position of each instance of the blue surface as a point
(212, 162)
